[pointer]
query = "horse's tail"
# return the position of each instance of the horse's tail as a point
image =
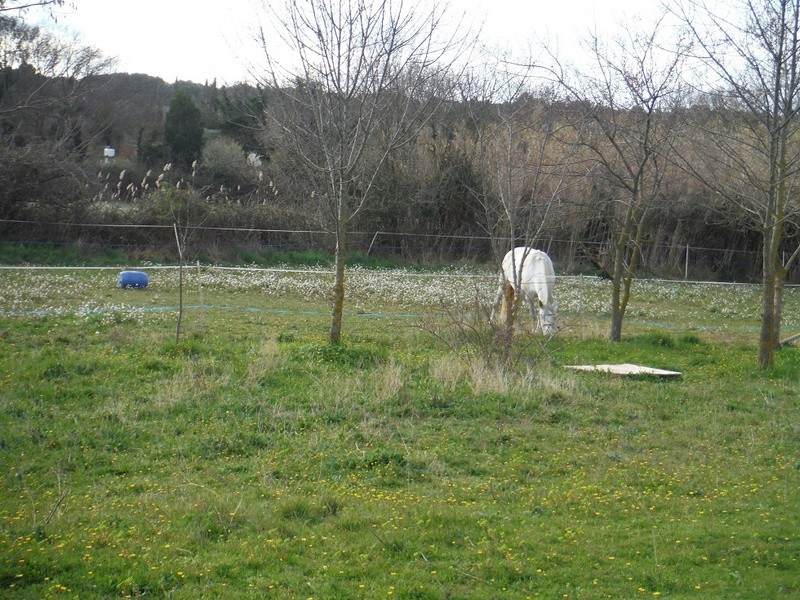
(507, 301)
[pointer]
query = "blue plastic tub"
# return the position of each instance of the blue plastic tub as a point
(132, 279)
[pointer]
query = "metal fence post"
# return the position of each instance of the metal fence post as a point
(686, 266)
(374, 237)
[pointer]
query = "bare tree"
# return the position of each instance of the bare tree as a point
(359, 80)
(751, 55)
(631, 101)
(512, 129)
(523, 151)
(41, 70)
(44, 82)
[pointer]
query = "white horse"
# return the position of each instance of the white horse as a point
(532, 272)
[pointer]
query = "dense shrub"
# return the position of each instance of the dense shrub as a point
(224, 163)
(39, 179)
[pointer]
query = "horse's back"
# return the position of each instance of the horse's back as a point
(537, 268)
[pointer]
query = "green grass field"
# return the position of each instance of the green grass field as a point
(253, 460)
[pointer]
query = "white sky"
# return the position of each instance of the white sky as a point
(200, 40)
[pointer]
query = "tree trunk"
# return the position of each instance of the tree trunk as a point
(616, 315)
(617, 308)
(338, 283)
(509, 313)
(768, 333)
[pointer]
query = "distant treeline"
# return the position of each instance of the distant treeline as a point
(435, 195)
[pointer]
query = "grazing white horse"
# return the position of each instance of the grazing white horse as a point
(530, 271)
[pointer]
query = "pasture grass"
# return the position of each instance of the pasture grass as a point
(254, 460)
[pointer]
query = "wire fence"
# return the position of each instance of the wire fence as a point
(571, 256)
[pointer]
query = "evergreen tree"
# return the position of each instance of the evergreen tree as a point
(183, 129)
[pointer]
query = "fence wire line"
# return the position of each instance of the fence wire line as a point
(365, 233)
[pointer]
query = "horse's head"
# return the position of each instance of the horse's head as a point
(547, 318)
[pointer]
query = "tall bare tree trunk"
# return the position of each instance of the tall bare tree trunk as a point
(509, 313)
(617, 315)
(337, 308)
(767, 336)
